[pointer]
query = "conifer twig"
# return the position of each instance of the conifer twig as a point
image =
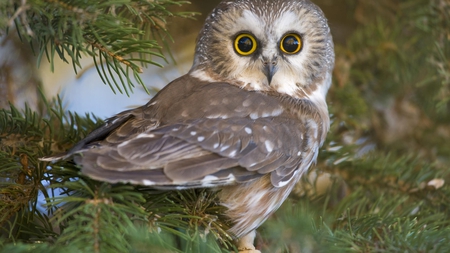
(116, 56)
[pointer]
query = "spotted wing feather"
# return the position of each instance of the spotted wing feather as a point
(186, 156)
(180, 140)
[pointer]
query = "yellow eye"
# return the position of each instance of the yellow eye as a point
(291, 43)
(245, 44)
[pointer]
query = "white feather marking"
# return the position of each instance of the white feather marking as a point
(318, 96)
(208, 181)
(266, 114)
(247, 103)
(248, 130)
(142, 135)
(313, 125)
(201, 138)
(251, 19)
(147, 182)
(277, 112)
(216, 145)
(211, 181)
(112, 121)
(209, 178)
(269, 146)
(217, 116)
(255, 200)
(231, 177)
(123, 144)
(299, 153)
(201, 75)
(283, 183)
(193, 133)
(254, 115)
(145, 135)
(224, 148)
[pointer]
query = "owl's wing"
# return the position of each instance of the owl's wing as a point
(204, 152)
(202, 134)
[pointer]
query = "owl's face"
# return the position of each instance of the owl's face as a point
(280, 45)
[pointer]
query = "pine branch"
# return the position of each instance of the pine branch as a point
(120, 36)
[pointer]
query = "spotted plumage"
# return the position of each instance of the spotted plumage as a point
(248, 119)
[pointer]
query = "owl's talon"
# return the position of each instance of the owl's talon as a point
(245, 244)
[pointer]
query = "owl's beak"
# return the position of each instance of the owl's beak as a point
(270, 68)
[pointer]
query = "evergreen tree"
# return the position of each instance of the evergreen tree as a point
(380, 185)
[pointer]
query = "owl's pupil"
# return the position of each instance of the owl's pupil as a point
(245, 44)
(290, 44)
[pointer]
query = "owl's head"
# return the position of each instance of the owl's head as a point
(280, 45)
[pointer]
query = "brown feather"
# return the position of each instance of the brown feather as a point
(196, 168)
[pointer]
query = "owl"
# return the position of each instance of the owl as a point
(247, 120)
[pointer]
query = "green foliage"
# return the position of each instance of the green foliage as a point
(120, 36)
(195, 209)
(392, 76)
